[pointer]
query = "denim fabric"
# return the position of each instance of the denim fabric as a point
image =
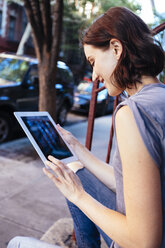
(28, 242)
(87, 233)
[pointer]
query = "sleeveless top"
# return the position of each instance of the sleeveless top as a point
(148, 108)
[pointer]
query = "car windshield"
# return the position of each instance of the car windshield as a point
(12, 70)
(86, 87)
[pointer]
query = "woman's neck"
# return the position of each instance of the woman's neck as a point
(145, 80)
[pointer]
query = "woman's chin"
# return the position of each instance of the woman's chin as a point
(113, 92)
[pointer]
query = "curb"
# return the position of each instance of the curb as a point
(60, 233)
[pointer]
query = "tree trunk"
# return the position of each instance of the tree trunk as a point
(46, 33)
(48, 67)
(47, 91)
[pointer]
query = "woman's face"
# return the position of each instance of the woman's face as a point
(103, 63)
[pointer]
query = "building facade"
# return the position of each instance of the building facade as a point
(13, 22)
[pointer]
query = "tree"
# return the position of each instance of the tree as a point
(105, 5)
(45, 18)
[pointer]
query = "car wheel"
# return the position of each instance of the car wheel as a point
(62, 114)
(5, 127)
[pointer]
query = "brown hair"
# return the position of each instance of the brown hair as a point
(140, 56)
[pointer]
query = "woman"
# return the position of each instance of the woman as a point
(121, 50)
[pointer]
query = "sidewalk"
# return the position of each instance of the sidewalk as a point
(29, 201)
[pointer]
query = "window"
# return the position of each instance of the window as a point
(12, 70)
(66, 76)
(32, 77)
(11, 29)
(0, 22)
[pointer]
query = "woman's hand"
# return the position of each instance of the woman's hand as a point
(104, 172)
(68, 137)
(74, 143)
(65, 179)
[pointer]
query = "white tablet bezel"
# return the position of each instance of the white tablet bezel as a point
(19, 116)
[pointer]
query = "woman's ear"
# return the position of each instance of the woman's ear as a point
(117, 47)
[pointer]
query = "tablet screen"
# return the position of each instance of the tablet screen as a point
(46, 136)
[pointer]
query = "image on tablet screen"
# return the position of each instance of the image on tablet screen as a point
(46, 136)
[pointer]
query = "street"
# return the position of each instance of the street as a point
(74, 118)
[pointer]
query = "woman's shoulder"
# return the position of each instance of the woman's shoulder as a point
(152, 93)
(148, 111)
(149, 101)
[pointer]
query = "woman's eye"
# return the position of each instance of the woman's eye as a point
(92, 64)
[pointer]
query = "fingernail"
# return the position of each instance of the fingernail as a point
(50, 157)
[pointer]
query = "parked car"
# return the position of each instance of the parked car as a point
(82, 97)
(19, 90)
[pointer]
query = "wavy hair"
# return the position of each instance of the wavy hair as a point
(140, 55)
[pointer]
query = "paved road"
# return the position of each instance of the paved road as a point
(29, 202)
(74, 118)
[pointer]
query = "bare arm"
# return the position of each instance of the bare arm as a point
(142, 224)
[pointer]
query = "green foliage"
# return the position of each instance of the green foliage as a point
(106, 4)
(13, 70)
(158, 19)
(73, 23)
(15, 1)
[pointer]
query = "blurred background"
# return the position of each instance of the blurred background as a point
(43, 67)
(59, 80)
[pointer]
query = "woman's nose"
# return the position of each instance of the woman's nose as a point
(94, 76)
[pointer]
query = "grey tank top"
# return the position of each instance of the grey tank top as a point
(148, 108)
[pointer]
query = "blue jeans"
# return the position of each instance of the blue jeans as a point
(87, 233)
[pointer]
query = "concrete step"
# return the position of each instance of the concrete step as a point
(60, 233)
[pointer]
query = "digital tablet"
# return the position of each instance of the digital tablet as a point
(44, 136)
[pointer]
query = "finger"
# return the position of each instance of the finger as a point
(64, 168)
(67, 172)
(55, 168)
(57, 162)
(51, 176)
(62, 130)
